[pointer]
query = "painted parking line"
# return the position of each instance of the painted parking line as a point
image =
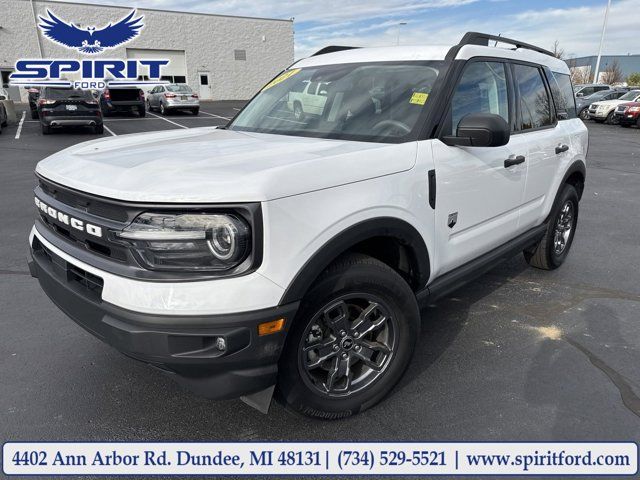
(24, 114)
(236, 109)
(109, 130)
(167, 120)
(214, 115)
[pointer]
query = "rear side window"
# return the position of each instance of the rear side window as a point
(67, 93)
(482, 89)
(533, 99)
(563, 98)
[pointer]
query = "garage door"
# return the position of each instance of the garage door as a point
(175, 71)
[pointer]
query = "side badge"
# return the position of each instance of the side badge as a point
(452, 220)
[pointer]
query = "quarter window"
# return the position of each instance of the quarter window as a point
(563, 96)
(535, 107)
(482, 89)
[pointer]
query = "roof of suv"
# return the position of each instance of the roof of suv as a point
(417, 53)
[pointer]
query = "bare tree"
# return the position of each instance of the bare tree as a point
(579, 75)
(558, 51)
(612, 74)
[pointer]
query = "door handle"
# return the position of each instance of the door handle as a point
(561, 149)
(511, 161)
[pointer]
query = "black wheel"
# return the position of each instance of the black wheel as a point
(638, 122)
(554, 247)
(148, 106)
(163, 110)
(298, 113)
(46, 130)
(142, 112)
(584, 113)
(351, 340)
(98, 129)
(611, 119)
(34, 114)
(0, 128)
(195, 111)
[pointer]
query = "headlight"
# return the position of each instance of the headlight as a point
(188, 242)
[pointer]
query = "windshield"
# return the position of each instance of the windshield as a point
(179, 88)
(630, 95)
(370, 102)
(598, 95)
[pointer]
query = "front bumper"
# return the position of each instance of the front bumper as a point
(185, 346)
(627, 119)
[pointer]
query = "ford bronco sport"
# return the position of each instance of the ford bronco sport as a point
(290, 256)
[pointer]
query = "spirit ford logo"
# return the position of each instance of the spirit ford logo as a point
(69, 220)
(89, 41)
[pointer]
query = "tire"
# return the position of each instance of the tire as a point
(0, 129)
(625, 125)
(148, 106)
(547, 255)
(46, 130)
(142, 112)
(611, 120)
(34, 114)
(98, 129)
(163, 111)
(584, 114)
(352, 284)
(298, 113)
(195, 111)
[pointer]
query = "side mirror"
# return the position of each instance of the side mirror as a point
(579, 94)
(2, 97)
(480, 130)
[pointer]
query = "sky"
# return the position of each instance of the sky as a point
(576, 25)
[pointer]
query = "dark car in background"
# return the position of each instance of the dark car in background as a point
(628, 114)
(122, 99)
(34, 94)
(586, 89)
(3, 111)
(62, 107)
(583, 103)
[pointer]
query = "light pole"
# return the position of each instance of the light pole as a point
(398, 37)
(604, 28)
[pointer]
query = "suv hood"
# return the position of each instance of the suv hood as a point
(208, 165)
(609, 102)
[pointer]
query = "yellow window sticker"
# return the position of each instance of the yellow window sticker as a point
(281, 78)
(419, 98)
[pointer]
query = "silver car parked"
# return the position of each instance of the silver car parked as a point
(175, 96)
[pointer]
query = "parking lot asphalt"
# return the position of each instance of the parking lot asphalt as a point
(520, 354)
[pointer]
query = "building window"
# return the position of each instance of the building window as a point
(204, 79)
(240, 54)
(5, 78)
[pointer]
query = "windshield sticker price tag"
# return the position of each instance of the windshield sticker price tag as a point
(281, 78)
(419, 98)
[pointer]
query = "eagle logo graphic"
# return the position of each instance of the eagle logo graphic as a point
(90, 40)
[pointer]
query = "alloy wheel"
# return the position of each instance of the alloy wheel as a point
(563, 228)
(348, 344)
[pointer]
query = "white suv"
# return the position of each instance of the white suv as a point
(294, 255)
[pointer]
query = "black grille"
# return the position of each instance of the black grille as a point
(87, 283)
(87, 203)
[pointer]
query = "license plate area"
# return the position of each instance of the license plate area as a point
(71, 108)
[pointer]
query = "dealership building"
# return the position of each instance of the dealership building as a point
(221, 57)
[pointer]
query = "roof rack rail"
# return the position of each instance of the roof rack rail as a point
(331, 49)
(477, 38)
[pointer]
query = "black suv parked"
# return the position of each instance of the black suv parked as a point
(122, 99)
(60, 107)
(34, 93)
